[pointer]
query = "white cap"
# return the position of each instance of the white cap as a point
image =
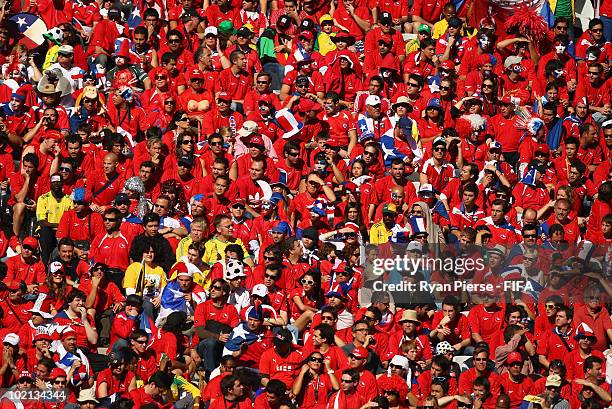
(512, 60)
(11, 338)
(415, 246)
(372, 100)
(65, 49)
(187, 273)
(426, 187)
(248, 128)
(400, 360)
(607, 123)
(43, 314)
(260, 290)
(211, 30)
(55, 266)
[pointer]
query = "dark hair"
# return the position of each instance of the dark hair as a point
(161, 380)
(75, 294)
(452, 301)
(569, 313)
(327, 333)
(65, 241)
(572, 141)
(235, 248)
(471, 187)
(353, 373)
(234, 55)
(442, 362)
(227, 383)
(150, 217)
(276, 387)
(427, 42)
(590, 361)
(333, 96)
(30, 158)
(595, 22)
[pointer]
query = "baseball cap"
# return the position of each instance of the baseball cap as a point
(226, 26)
(256, 140)
(67, 333)
(386, 18)
(211, 30)
(244, 32)
(56, 178)
(495, 145)
(512, 60)
(65, 49)
(248, 128)
(307, 35)
(434, 103)
(401, 100)
(282, 227)
(12, 339)
(42, 337)
(260, 290)
(440, 140)
(514, 357)
(283, 22)
(372, 100)
(122, 198)
(186, 159)
(498, 249)
(56, 373)
(325, 17)
(30, 242)
(224, 96)
(360, 353)
(415, 246)
(424, 28)
(390, 208)
(400, 360)
(196, 74)
(506, 99)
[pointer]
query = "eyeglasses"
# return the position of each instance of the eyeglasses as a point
(110, 219)
(158, 206)
(270, 276)
(369, 319)
(561, 28)
(362, 330)
(65, 169)
(319, 360)
(185, 118)
(307, 282)
(88, 101)
(480, 359)
(327, 318)
(597, 30)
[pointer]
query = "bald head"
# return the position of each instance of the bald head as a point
(397, 194)
(530, 216)
(110, 163)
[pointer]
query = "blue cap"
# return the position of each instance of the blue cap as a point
(282, 227)
(256, 313)
(276, 197)
(434, 103)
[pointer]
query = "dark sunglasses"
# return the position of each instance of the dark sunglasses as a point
(319, 360)
(110, 219)
(271, 277)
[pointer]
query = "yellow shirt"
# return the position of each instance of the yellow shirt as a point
(214, 250)
(49, 209)
(325, 43)
(153, 282)
(379, 233)
(439, 29)
(183, 246)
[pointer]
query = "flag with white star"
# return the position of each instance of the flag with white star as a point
(134, 19)
(31, 27)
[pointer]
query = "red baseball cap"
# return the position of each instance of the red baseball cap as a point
(56, 373)
(514, 357)
(360, 353)
(447, 65)
(256, 140)
(506, 99)
(30, 242)
(52, 134)
(196, 73)
(224, 96)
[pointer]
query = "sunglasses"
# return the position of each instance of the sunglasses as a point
(59, 382)
(169, 102)
(141, 342)
(347, 380)
(439, 149)
(215, 143)
(550, 306)
(271, 277)
(187, 142)
(597, 30)
(368, 153)
(343, 273)
(445, 88)
(217, 287)
(307, 282)
(262, 82)
(267, 258)
(110, 219)
(293, 154)
(319, 360)
(530, 236)
(161, 77)
(174, 41)
(65, 169)
(88, 100)
(413, 85)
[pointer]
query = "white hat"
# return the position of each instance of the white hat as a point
(65, 49)
(372, 100)
(415, 246)
(87, 395)
(211, 30)
(248, 128)
(512, 60)
(401, 361)
(260, 290)
(234, 269)
(11, 338)
(55, 266)
(288, 123)
(43, 314)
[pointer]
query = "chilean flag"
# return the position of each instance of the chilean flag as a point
(32, 27)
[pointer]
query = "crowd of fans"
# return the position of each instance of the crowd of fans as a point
(197, 200)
